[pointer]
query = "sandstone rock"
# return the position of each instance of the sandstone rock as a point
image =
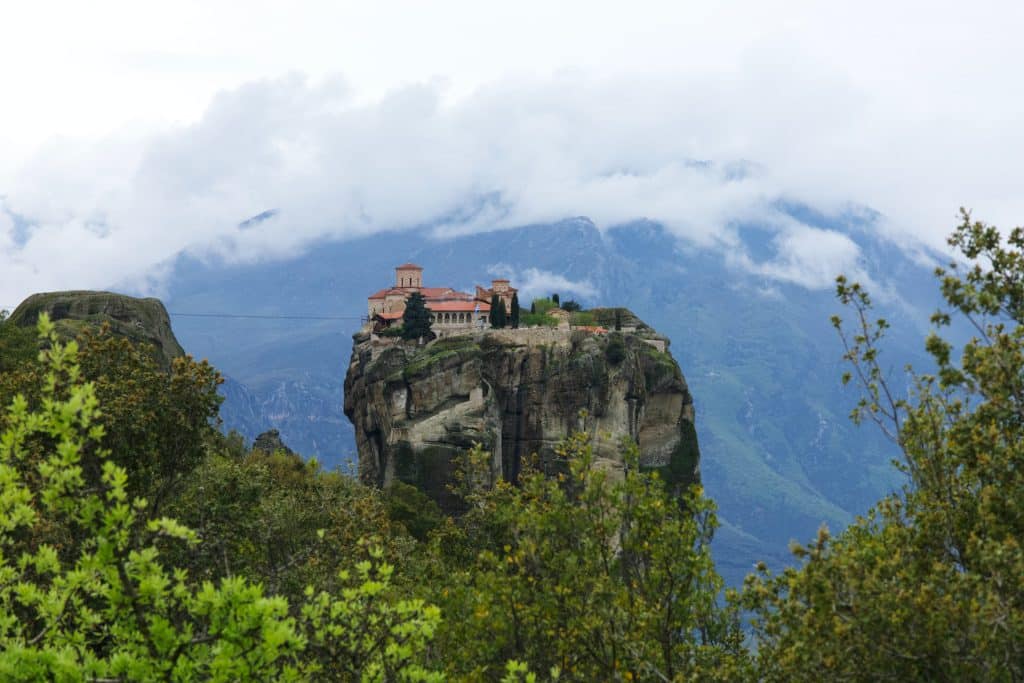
(140, 320)
(518, 393)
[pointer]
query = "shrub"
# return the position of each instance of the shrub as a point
(533, 319)
(615, 352)
(542, 306)
(583, 318)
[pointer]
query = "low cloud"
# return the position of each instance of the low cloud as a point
(812, 257)
(697, 153)
(534, 283)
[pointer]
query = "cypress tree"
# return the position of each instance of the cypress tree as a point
(514, 315)
(554, 297)
(416, 317)
(492, 317)
(501, 318)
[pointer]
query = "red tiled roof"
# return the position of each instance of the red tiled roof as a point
(591, 328)
(408, 266)
(389, 316)
(427, 292)
(434, 292)
(457, 306)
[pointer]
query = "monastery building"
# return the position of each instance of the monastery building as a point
(449, 309)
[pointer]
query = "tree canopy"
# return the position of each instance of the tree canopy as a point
(929, 585)
(415, 317)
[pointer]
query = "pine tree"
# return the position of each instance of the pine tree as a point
(415, 318)
(514, 315)
(554, 297)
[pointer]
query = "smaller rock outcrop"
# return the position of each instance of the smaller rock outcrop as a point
(270, 442)
(139, 320)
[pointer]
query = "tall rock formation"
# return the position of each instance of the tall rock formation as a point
(140, 320)
(518, 393)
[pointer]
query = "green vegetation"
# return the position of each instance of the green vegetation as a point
(156, 421)
(17, 344)
(615, 351)
(537, 319)
(542, 306)
(584, 318)
(415, 317)
(571, 306)
(439, 351)
(498, 316)
(137, 543)
(514, 313)
(930, 584)
(658, 366)
(393, 331)
(584, 575)
(105, 604)
(237, 577)
(538, 315)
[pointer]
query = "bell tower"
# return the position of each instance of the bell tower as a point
(408, 276)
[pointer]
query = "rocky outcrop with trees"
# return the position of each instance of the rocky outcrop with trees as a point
(517, 393)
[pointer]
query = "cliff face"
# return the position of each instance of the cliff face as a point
(140, 320)
(517, 392)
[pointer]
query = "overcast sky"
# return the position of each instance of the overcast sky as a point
(132, 131)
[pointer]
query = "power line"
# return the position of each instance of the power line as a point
(267, 317)
(248, 316)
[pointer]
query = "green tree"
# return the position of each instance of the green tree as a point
(501, 318)
(930, 584)
(618, 320)
(17, 345)
(498, 315)
(415, 318)
(572, 306)
(109, 608)
(514, 314)
(282, 521)
(591, 574)
(554, 298)
(156, 423)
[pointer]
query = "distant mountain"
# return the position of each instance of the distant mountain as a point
(779, 454)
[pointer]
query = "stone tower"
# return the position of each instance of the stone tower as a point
(408, 276)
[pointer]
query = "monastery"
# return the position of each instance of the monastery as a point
(449, 309)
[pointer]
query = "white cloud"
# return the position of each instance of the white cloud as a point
(534, 283)
(812, 257)
(540, 113)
